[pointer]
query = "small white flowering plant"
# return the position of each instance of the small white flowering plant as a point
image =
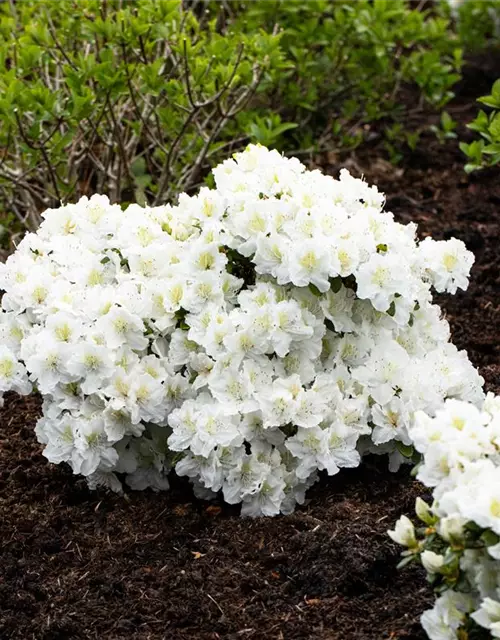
(251, 336)
(458, 542)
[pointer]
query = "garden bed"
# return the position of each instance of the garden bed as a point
(81, 564)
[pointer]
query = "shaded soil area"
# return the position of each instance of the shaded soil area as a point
(79, 564)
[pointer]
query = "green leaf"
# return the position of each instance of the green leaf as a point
(492, 149)
(314, 290)
(447, 122)
(336, 284)
(495, 90)
(406, 561)
(489, 538)
(405, 450)
(286, 126)
(490, 101)
(494, 127)
(493, 100)
(391, 311)
(464, 148)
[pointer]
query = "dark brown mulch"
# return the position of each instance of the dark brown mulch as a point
(76, 564)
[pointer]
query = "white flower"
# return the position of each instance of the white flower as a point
(184, 425)
(120, 327)
(92, 363)
(270, 257)
(267, 500)
(118, 424)
(289, 326)
(279, 404)
(311, 264)
(338, 307)
(59, 435)
(488, 616)
(214, 429)
(383, 371)
(13, 374)
(233, 391)
(146, 398)
(48, 365)
(92, 449)
(447, 616)
(327, 449)
(447, 263)
(381, 278)
(391, 422)
(245, 479)
(494, 551)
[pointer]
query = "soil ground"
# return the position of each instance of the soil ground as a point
(76, 564)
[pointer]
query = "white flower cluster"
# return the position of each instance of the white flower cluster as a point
(460, 544)
(251, 336)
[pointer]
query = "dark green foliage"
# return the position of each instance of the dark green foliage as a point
(130, 99)
(137, 99)
(350, 63)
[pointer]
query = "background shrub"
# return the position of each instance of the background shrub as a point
(477, 21)
(485, 151)
(127, 99)
(350, 64)
(137, 99)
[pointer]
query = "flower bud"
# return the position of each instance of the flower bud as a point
(404, 533)
(452, 529)
(423, 511)
(432, 562)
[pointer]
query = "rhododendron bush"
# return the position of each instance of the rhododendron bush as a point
(252, 335)
(459, 540)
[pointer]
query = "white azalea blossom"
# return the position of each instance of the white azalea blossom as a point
(488, 616)
(460, 544)
(251, 336)
(448, 615)
(13, 375)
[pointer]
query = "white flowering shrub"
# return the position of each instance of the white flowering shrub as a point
(459, 540)
(278, 325)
